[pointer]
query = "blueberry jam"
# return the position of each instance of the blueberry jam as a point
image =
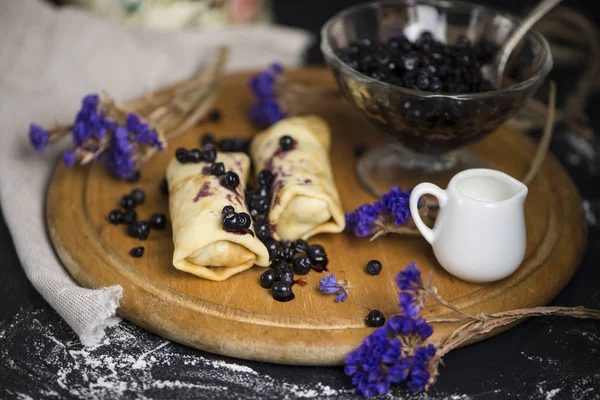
(426, 64)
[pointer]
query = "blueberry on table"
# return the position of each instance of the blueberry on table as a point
(181, 155)
(316, 251)
(244, 221)
(277, 254)
(230, 222)
(373, 267)
(127, 202)
(210, 153)
(207, 138)
(319, 263)
(286, 143)
(228, 210)
(164, 187)
(129, 216)
(299, 246)
(137, 252)
(284, 275)
(302, 265)
(195, 156)
(230, 180)
(158, 221)
(217, 169)
(215, 115)
(282, 291)
(280, 265)
(138, 230)
(265, 177)
(267, 279)
(375, 319)
(116, 217)
(138, 196)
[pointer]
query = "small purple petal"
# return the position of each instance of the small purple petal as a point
(69, 158)
(38, 137)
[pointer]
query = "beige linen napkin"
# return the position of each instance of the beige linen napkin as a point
(49, 59)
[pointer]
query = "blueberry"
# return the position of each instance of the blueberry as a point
(315, 251)
(129, 216)
(138, 196)
(207, 138)
(374, 267)
(127, 202)
(435, 85)
(262, 230)
(116, 217)
(267, 279)
(132, 229)
(136, 252)
(422, 82)
(217, 169)
(263, 191)
(210, 154)
(181, 155)
(375, 319)
(195, 156)
(230, 180)
(411, 63)
(272, 245)
(265, 177)
(286, 143)
(158, 221)
(164, 187)
(244, 221)
(228, 210)
(288, 254)
(230, 222)
(215, 115)
(282, 291)
(277, 254)
(320, 263)
(284, 275)
(280, 265)
(299, 246)
(138, 230)
(260, 204)
(302, 265)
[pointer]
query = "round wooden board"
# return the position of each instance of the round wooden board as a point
(240, 319)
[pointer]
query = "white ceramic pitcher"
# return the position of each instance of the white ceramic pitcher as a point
(479, 234)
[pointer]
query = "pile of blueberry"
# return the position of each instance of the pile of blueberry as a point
(427, 64)
(127, 216)
(296, 258)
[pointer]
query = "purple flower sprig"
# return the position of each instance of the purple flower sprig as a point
(121, 141)
(330, 285)
(276, 97)
(381, 217)
(397, 352)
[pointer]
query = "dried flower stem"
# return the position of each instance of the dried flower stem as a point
(485, 323)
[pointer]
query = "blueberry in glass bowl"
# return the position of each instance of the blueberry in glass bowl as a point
(417, 69)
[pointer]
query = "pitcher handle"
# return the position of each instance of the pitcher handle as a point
(415, 195)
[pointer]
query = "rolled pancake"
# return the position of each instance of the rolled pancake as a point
(196, 201)
(304, 200)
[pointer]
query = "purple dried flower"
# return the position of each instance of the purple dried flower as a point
(330, 285)
(410, 278)
(360, 222)
(396, 201)
(266, 112)
(119, 157)
(419, 373)
(395, 352)
(38, 137)
(267, 109)
(69, 158)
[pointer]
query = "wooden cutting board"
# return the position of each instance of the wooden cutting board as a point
(240, 319)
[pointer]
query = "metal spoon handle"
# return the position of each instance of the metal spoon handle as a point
(534, 16)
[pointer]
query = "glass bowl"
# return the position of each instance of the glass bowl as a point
(428, 127)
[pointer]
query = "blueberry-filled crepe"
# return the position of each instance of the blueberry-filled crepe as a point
(304, 199)
(212, 230)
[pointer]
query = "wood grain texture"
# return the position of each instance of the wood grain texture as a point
(240, 319)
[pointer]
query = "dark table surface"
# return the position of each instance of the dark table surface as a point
(543, 358)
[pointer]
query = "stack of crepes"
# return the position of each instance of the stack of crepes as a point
(304, 200)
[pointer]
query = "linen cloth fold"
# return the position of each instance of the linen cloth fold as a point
(49, 59)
